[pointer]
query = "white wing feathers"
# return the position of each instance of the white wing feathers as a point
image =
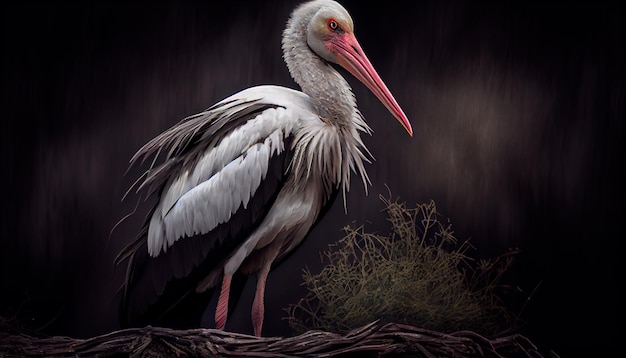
(227, 175)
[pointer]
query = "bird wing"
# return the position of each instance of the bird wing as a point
(219, 173)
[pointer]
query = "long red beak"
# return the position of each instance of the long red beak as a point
(352, 58)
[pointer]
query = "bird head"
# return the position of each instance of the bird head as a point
(330, 34)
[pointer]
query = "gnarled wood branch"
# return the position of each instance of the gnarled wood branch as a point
(373, 339)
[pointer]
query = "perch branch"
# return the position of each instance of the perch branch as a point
(373, 339)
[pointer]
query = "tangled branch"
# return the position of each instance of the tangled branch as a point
(372, 340)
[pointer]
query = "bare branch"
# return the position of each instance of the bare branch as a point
(374, 339)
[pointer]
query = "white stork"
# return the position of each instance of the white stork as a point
(241, 184)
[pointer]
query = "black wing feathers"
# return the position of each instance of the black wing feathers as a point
(155, 285)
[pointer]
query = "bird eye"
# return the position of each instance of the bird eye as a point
(332, 25)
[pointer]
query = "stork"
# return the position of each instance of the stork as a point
(240, 185)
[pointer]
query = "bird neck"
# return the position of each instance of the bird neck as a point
(335, 104)
(330, 92)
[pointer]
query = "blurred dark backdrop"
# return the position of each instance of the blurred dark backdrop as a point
(518, 112)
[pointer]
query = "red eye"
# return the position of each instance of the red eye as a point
(332, 25)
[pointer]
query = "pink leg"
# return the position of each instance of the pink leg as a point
(258, 306)
(222, 303)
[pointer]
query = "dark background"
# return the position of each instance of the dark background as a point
(517, 108)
